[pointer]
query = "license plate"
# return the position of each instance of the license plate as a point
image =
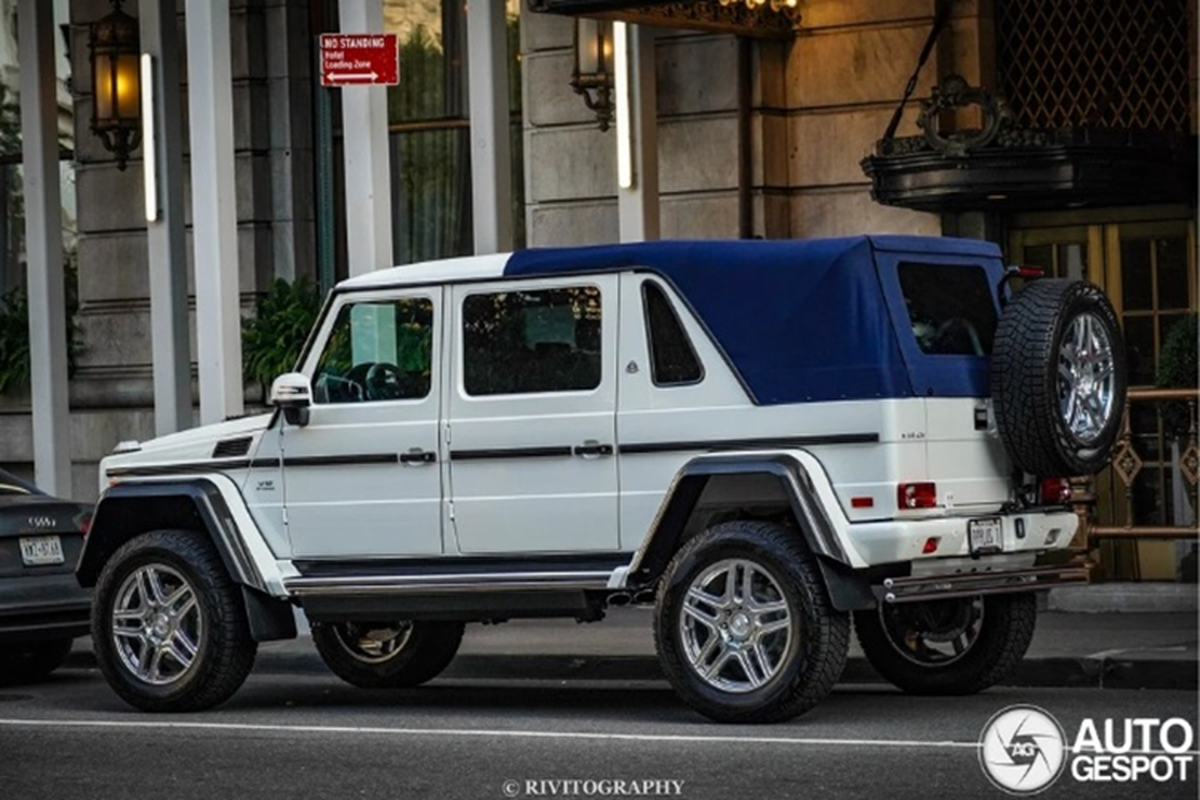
(37, 550)
(985, 535)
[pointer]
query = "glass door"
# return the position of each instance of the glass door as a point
(1148, 268)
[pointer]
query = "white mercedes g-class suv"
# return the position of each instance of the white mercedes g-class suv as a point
(763, 438)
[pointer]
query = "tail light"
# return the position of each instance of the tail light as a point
(916, 495)
(1055, 492)
(84, 521)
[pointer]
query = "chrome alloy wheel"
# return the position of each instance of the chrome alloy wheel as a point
(936, 632)
(157, 626)
(373, 643)
(1086, 379)
(736, 626)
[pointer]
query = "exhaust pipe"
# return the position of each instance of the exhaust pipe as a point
(646, 597)
(619, 600)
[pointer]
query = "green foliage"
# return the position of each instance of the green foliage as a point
(273, 337)
(14, 339)
(1177, 369)
(14, 329)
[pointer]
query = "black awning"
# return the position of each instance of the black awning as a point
(709, 15)
(1058, 169)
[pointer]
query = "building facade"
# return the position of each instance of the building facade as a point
(1065, 132)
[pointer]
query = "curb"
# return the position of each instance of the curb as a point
(1110, 672)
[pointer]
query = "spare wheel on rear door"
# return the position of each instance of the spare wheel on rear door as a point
(1059, 378)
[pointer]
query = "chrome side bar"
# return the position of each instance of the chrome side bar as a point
(410, 584)
(948, 587)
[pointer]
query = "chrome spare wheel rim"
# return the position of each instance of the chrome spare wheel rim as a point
(373, 643)
(935, 632)
(157, 626)
(736, 626)
(1086, 378)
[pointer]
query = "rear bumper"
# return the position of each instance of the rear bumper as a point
(41, 607)
(903, 540)
(946, 587)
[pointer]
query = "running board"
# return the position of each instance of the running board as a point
(431, 584)
(949, 587)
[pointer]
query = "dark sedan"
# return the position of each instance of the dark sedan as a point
(42, 607)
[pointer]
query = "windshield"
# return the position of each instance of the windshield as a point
(950, 308)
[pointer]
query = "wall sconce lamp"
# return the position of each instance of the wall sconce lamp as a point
(116, 83)
(593, 75)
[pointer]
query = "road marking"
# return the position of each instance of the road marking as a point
(628, 737)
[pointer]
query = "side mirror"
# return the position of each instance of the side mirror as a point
(292, 393)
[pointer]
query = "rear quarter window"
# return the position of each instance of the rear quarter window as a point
(951, 309)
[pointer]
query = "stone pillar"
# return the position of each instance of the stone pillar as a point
(368, 162)
(218, 312)
(846, 73)
(167, 248)
(636, 98)
(491, 156)
(44, 249)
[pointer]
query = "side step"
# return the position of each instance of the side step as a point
(466, 589)
(949, 587)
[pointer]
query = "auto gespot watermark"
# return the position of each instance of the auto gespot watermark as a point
(1023, 750)
(592, 787)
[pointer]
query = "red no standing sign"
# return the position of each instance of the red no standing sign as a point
(359, 59)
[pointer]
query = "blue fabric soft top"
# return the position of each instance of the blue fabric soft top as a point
(799, 320)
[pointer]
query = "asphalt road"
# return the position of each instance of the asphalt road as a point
(303, 734)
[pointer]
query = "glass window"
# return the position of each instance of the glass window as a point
(377, 351)
(546, 340)
(429, 129)
(950, 307)
(673, 361)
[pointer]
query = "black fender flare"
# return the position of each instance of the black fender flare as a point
(849, 589)
(197, 504)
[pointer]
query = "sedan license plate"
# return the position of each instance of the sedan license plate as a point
(985, 535)
(38, 550)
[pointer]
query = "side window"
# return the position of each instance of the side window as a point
(379, 350)
(547, 340)
(950, 307)
(673, 360)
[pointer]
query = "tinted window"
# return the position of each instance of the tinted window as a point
(950, 308)
(539, 341)
(377, 351)
(672, 360)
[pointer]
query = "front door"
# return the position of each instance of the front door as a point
(363, 477)
(532, 416)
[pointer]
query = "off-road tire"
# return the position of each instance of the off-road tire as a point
(428, 650)
(1007, 630)
(1025, 385)
(226, 650)
(33, 662)
(821, 633)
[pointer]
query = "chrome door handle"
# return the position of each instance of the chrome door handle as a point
(592, 449)
(418, 457)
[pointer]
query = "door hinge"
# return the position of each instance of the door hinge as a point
(450, 509)
(446, 432)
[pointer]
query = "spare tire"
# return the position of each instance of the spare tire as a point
(1059, 378)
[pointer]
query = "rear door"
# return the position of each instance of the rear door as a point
(532, 416)
(945, 312)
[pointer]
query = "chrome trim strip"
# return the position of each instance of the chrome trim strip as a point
(401, 584)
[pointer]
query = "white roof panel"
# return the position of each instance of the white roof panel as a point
(449, 269)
